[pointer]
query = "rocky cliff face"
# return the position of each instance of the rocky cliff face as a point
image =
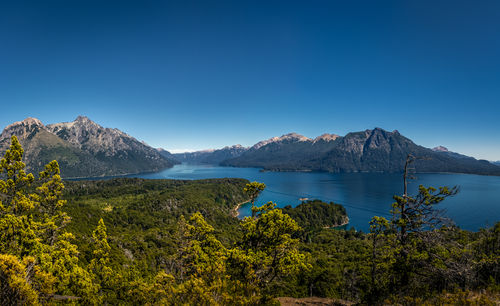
(103, 142)
(23, 129)
(83, 148)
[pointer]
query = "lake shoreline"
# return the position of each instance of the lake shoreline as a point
(344, 223)
(235, 212)
(364, 195)
(110, 177)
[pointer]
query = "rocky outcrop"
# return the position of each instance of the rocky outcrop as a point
(326, 138)
(23, 129)
(108, 144)
(440, 149)
(291, 137)
(83, 148)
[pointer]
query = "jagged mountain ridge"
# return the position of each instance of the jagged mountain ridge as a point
(40, 147)
(83, 148)
(378, 150)
(217, 156)
(211, 156)
(445, 150)
(374, 150)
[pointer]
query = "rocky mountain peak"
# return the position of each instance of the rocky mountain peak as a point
(84, 148)
(294, 136)
(81, 118)
(440, 149)
(326, 137)
(30, 121)
(88, 135)
(377, 131)
(85, 122)
(286, 137)
(79, 124)
(360, 142)
(22, 129)
(234, 147)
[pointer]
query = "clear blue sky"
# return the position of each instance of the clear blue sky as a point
(204, 74)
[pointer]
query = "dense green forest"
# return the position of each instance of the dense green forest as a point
(172, 242)
(316, 214)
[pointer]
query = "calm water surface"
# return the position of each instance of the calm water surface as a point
(363, 194)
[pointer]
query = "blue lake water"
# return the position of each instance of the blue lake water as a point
(364, 195)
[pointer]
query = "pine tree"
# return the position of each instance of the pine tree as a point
(253, 190)
(204, 262)
(268, 250)
(99, 265)
(32, 241)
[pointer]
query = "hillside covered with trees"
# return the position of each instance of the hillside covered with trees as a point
(171, 242)
(375, 150)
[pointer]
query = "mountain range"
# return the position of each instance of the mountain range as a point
(211, 156)
(374, 150)
(83, 148)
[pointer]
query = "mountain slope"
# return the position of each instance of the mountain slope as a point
(211, 156)
(82, 148)
(167, 155)
(284, 153)
(374, 150)
(40, 147)
(124, 153)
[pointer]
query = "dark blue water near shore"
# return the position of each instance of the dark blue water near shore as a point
(363, 194)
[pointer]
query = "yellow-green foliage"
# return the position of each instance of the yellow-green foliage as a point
(38, 257)
(252, 190)
(22, 281)
(208, 273)
(267, 251)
